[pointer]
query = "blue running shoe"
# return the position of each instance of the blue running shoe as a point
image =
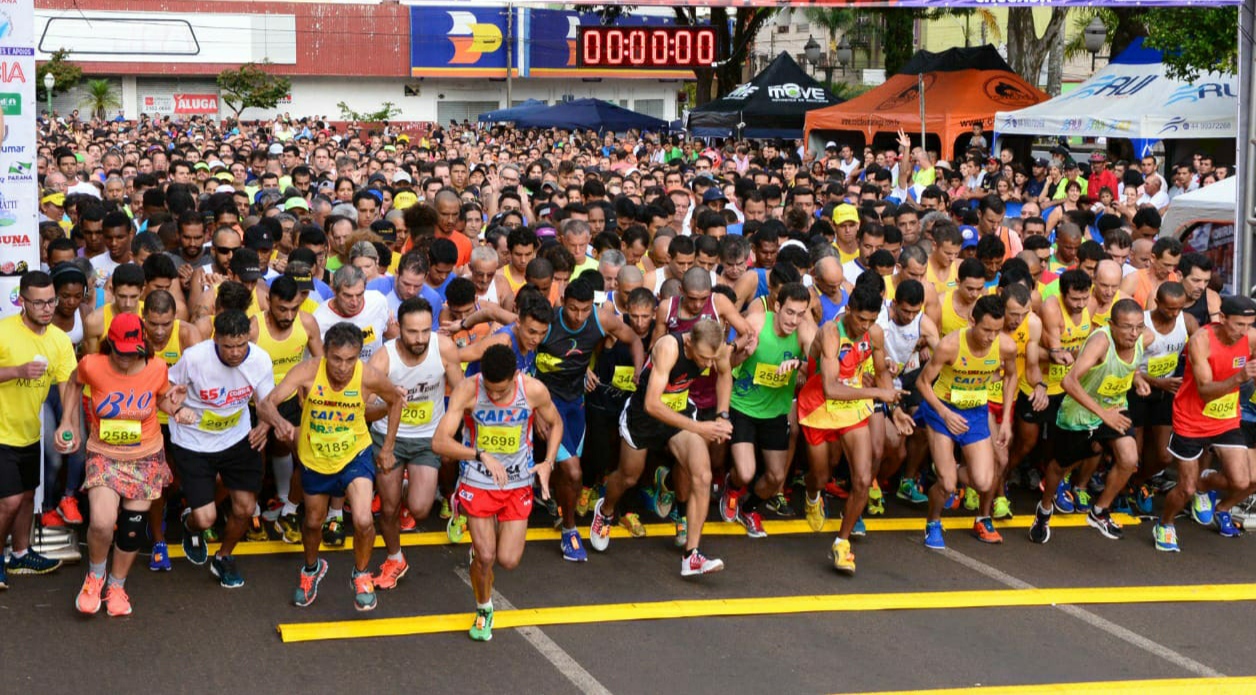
(307, 588)
(1143, 497)
(194, 548)
(1122, 505)
(223, 567)
(160, 560)
(860, 530)
(1166, 538)
(1225, 525)
(32, 563)
(933, 536)
(1201, 508)
(573, 546)
(662, 498)
(1064, 498)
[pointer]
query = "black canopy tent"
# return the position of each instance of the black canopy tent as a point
(773, 104)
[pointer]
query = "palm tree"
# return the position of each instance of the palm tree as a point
(100, 98)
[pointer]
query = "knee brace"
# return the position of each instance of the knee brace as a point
(131, 526)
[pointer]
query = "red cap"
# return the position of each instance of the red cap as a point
(126, 335)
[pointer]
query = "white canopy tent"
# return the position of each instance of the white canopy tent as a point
(1215, 203)
(1132, 97)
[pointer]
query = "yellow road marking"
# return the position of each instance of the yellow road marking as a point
(781, 605)
(712, 528)
(1167, 686)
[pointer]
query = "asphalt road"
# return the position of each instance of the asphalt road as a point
(189, 635)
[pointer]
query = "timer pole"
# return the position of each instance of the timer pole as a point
(920, 89)
(510, 52)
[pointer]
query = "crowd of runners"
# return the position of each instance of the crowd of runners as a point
(240, 336)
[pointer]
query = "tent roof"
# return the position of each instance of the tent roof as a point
(1132, 97)
(589, 114)
(976, 58)
(1210, 203)
(510, 113)
(772, 104)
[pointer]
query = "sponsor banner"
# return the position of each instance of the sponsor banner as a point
(186, 104)
(160, 104)
(163, 38)
(19, 193)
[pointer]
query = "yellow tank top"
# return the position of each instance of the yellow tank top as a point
(107, 314)
(310, 305)
(286, 353)
(333, 423)
(510, 279)
(254, 309)
(951, 320)
(942, 285)
(1021, 337)
(846, 257)
(964, 383)
(1102, 317)
(1072, 337)
(170, 352)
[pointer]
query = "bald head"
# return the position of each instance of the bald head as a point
(1031, 259)
(1108, 272)
(829, 270)
(629, 278)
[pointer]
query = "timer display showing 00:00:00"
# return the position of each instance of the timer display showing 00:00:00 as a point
(648, 47)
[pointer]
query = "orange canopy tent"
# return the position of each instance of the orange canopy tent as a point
(962, 87)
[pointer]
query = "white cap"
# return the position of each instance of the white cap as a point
(84, 187)
(216, 164)
(401, 175)
(276, 148)
(829, 144)
(225, 188)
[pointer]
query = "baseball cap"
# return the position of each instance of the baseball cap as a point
(1060, 150)
(404, 199)
(1230, 306)
(400, 176)
(201, 166)
(300, 271)
(126, 335)
(224, 188)
(970, 236)
(830, 145)
(297, 203)
(845, 213)
(1097, 156)
(275, 148)
(1040, 162)
(258, 237)
(713, 194)
(224, 176)
(55, 198)
(246, 265)
(85, 188)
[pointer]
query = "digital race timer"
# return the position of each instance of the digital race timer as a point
(648, 47)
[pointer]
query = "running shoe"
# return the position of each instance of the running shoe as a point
(52, 519)
(334, 532)
(1064, 498)
(753, 523)
(1225, 525)
(445, 511)
(88, 600)
(876, 500)
(1081, 499)
(1040, 531)
(909, 491)
(843, 558)
(696, 563)
(364, 598)
(933, 536)
(1123, 504)
(551, 506)
(32, 563)
(573, 546)
(682, 529)
(972, 500)
(836, 489)
(780, 506)
(815, 513)
(68, 508)
(224, 568)
(1002, 508)
(390, 572)
(1166, 538)
(952, 501)
(729, 501)
(1097, 482)
(117, 603)
(4, 579)
(1202, 508)
(1103, 523)
(307, 586)
(586, 499)
(211, 535)
(256, 532)
(455, 528)
(273, 509)
(289, 528)
(482, 628)
(860, 530)
(664, 499)
(405, 521)
(160, 559)
(1143, 498)
(600, 529)
(376, 505)
(984, 531)
(632, 522)
(193, 542)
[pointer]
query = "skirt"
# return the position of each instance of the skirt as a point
(137, 479)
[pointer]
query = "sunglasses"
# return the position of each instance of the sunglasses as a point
(226, 250)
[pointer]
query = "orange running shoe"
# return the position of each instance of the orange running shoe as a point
(407, 521)
(68, 507)
(88, 600)
(390, 572)
(983, 529)
(117, 603)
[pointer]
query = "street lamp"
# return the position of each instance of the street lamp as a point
(812, 52)
(844, 53)
(49, 83)
(1094, 36)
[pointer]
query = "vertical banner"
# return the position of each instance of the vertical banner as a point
(19, 192)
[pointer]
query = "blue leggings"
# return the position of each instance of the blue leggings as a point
(75, 463)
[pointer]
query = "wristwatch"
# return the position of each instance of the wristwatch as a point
(479, 455)
(723, 415)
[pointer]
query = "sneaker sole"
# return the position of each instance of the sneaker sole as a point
(1164, 549)
(221, 583)
(988, 540)
(396, 580)
(29, 572)
(1045, 538)
(364, 609)
(1101, 529)
(118, 615)
(699, 573)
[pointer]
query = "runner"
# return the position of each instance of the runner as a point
(128, 286)
(425, 373)
(334, 448)
(1166, 253)
(957, 304)
(908, 334)
(1024, 327)
(661, 417)
(126, 458)
(497, 409)
(954, 385)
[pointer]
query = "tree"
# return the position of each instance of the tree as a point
(251, 85)
(100, 98)
(727, 75)
(65, 73)
(900, 40)
(1195, 39)
(386, 111)
(1026, 50)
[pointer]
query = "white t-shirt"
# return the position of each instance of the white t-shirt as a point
(104, 266)
(851, 270)
(1159, 201)
(373, 320)
(220, 395)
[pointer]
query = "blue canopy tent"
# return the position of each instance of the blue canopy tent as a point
(589, 114)
(510, 114)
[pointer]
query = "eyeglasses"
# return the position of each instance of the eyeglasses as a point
(40, 303)
(226, 250)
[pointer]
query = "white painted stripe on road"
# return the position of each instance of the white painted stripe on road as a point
(1092, 619)
(556, 655)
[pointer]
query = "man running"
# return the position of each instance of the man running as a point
(334, 447)
(423, 372)
(496, 410)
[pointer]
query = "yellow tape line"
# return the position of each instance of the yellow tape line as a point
(783, 605)
(1168, 686)
(711, 528)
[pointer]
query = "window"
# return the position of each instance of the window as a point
(650, 107)
(463, 110)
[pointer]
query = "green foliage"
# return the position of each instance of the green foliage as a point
(100, 98)
(251, 85)
(65, 73)
(1195, 39)
(385, 112)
